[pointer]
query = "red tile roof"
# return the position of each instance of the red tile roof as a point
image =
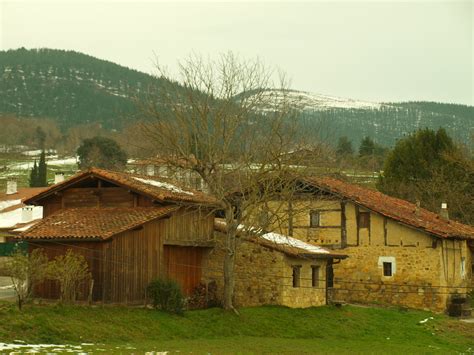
(93, 223)
(285, 244)
(394, 208)
(155, 187)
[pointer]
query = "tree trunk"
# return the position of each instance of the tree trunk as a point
(229, 261)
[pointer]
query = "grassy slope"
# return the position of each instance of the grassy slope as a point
(262, 329)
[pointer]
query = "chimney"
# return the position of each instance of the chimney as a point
(58, 177)
(150, 170)
(11, 187)
(27, 214)
(417, 208)
(444, 210)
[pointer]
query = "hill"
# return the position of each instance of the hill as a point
(385, 122)
(73, 88)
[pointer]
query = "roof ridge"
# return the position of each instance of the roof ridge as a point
(394, 208)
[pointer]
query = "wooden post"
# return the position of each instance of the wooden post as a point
(343, 225)
(91, 287)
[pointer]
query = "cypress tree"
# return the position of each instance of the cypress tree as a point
(42, 170)
(34, 176)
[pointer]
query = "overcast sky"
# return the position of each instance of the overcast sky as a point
(375, 50)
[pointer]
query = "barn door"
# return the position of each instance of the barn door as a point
(183, 264)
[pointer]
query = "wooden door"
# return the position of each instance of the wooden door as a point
(183, 264)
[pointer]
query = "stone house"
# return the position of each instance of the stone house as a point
(273, 269)
(398, 252)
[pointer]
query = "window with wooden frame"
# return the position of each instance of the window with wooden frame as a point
(296, 275)
(364, 219)
(315, 275)
(387, 269)
(314, 219)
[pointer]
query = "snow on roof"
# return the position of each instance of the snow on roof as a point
(164, 185)
(280, 242)
(293, 242)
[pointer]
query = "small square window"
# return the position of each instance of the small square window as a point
(364, 219)
(296, 275)
(387, 269)
(315, 219)
(315, 275)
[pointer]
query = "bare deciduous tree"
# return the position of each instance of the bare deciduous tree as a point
(232, 124)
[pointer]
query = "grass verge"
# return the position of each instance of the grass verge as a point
(257, 330)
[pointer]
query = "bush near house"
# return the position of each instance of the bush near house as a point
(166, 295)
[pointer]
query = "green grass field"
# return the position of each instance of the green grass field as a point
(270, 329)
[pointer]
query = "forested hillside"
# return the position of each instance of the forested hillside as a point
(74, 89)
(384, 122)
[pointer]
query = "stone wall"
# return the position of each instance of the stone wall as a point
(360, 277)
(264, 276)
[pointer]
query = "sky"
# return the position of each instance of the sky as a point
(367, 50)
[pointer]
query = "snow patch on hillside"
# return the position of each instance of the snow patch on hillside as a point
(308, 101)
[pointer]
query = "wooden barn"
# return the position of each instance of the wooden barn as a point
(130, 228)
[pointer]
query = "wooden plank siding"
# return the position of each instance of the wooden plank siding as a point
(184, 265)
(80, 197)
(124, 265)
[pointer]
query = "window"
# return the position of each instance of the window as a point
(387, 268)
(388, 265)
(315, 219)
(463, 267)
(315, 275)
(364, 219)
(296, 275)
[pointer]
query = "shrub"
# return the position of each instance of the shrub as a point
(26, 271)
(166, 295)
(71, 270)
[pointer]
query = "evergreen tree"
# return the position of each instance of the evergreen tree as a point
(102, 153)
(42, 170)
(34, 176)
(367, 147)
(40, 137)
(427, 166)
(344, 147)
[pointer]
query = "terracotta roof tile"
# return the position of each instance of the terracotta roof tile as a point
(394, 208)
(93, 223)
(157, 188)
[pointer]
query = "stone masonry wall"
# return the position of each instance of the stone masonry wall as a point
(264, 276)
(360, 277)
